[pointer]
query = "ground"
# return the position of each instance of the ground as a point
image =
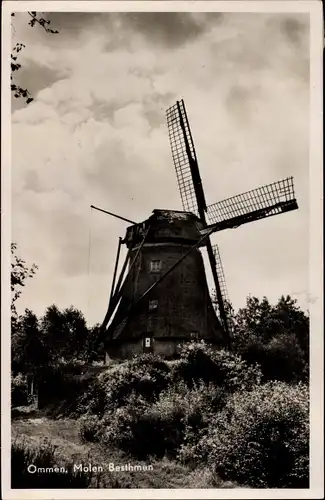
(64, 433)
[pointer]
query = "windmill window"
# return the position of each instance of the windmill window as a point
(147, 342)
(155, 266)
(153, 304)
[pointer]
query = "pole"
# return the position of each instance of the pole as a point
(114, 215)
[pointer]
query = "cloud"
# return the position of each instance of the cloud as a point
(170, 29)
(96, 134)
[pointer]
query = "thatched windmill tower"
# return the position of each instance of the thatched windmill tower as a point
(161, 298)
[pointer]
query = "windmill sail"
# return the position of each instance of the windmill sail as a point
(256, 204)
(223, 289)
(185, 161)
(189, 180)
(221, 274)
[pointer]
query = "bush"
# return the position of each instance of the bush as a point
(19, 395)
(200, 361)
(43, 456)
(89, 426)
(130, 429)
(145, 376)
(63, 386)
(159, 428)
(261, 437)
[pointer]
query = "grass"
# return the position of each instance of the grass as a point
(63, 434)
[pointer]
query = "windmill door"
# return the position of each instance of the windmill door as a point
(147, 343)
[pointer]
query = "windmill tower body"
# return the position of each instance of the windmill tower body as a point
(179, 307)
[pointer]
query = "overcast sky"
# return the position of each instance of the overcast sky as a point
(96, 134)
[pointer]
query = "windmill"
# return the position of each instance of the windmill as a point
(161, 296)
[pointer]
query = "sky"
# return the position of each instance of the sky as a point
(96, 134)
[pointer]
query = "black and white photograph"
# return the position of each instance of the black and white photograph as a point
(161, 205)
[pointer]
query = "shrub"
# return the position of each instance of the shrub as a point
(89, 427)
(261, 437)
(64, 387)
(145, 376)
(58, 382)
(200, 361)
(158, 428)
(127, 428)
(19, 395)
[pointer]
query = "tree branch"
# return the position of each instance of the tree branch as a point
(42, 22)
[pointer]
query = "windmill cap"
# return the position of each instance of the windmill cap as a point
(166, 226)
(174, 214)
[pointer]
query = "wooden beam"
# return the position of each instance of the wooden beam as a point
(111, 213)
(119, 287)
(115, 269)
(110, 309)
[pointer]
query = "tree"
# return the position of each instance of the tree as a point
(75, 332)
(17, 90)
(19, 273)
(65, 332)
(51, 324)
(94, 351)
(29, 352)
(275, 336)
(21, 326)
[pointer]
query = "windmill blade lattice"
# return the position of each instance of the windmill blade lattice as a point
(256, 204)
(184, 158)
(221, 274)
(223, 288)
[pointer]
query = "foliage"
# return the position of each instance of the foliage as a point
(19, 395)
(89, 428)
(29, 351)
(61, 386)
(260, 438)
(65, 332)
(200, 361)
(92, 350)
(208, 408)
(166, 473)
(17, 90)
(44, 23)
(158, 428)
(19, 273)
(280, 359)
(274, 336)
(43, 456)
(145, 375)
(267, 320)
(38, 344)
